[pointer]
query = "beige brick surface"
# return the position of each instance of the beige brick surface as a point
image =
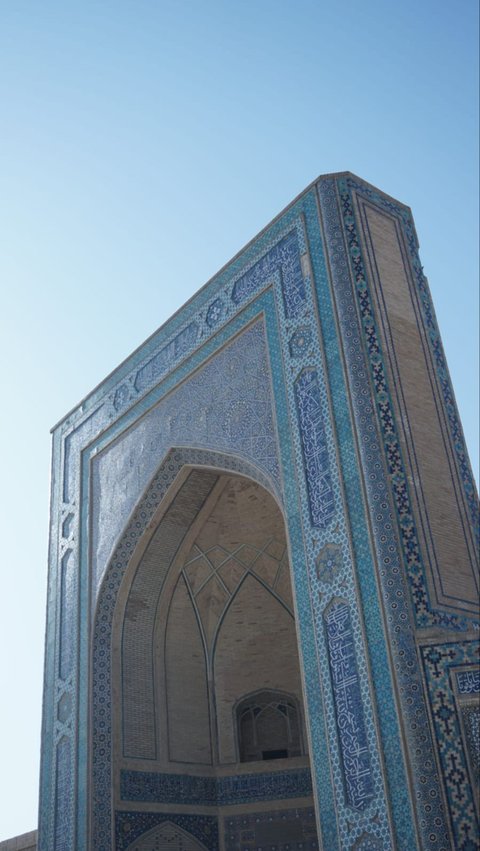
(442, 519)
(24, 842)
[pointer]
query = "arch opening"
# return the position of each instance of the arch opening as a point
(268, 726)
(205, 664)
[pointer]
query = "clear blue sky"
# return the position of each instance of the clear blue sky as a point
(142, 144)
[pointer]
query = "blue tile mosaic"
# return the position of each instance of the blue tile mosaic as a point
(225, 405)
(349, 708)
(314, 446)
(215, 312)
(280, 830)
(131, 825)
(468, 682)
(283, 257)
(439, 663)
(246, 788)
(214, 791)
(349, 826)
(313, 595)
(471, 724)
(63, 827)
(329, 563)
(300, 342)
(431, 817)
(155, 368)
(67, 598)
(332, 559)
(168, 788)
(367, 842)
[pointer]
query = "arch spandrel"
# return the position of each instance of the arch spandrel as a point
(226, 406)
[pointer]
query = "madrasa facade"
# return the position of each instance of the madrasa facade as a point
(263, 588)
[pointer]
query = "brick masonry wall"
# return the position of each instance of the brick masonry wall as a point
(24, 842)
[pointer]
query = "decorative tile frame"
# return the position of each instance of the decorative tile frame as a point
(424, 612)
(241, 832)
(215, 791)
(283, 277)
(402, 573)
(131, 824)
(439, 664)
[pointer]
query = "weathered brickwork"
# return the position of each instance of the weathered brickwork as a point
(25, 842)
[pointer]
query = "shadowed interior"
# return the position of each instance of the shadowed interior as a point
(211, 706)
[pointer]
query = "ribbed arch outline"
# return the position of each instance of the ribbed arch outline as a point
(249, 572)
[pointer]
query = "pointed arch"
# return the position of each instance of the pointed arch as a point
(258, 633)
(166, 836)
(159, 498)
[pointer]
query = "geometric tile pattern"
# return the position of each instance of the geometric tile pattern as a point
(378, 441)
(225, 405)
(314, 472)
(63, 829)
(131, 825)
(394, 587)
(310, 435)
(284, 255)
(320, 490)
(439, 662)
(470, 713)
(74, 433)
(329, 563)
(308, 431)
(366, 842)
(253, 831)
(300, 342)
(214, 791)
(67, 596)
(166, 837)
(425, 615)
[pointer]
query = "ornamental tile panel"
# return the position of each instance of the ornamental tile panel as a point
(348, 703)
(275, 371)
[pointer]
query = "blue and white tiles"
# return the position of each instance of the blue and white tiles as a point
(274, 371)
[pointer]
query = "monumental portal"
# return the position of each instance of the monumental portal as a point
(262, 611)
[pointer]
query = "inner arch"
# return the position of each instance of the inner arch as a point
(203, 623)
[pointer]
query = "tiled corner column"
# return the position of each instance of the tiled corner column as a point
(340, 698)
(401, 571)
